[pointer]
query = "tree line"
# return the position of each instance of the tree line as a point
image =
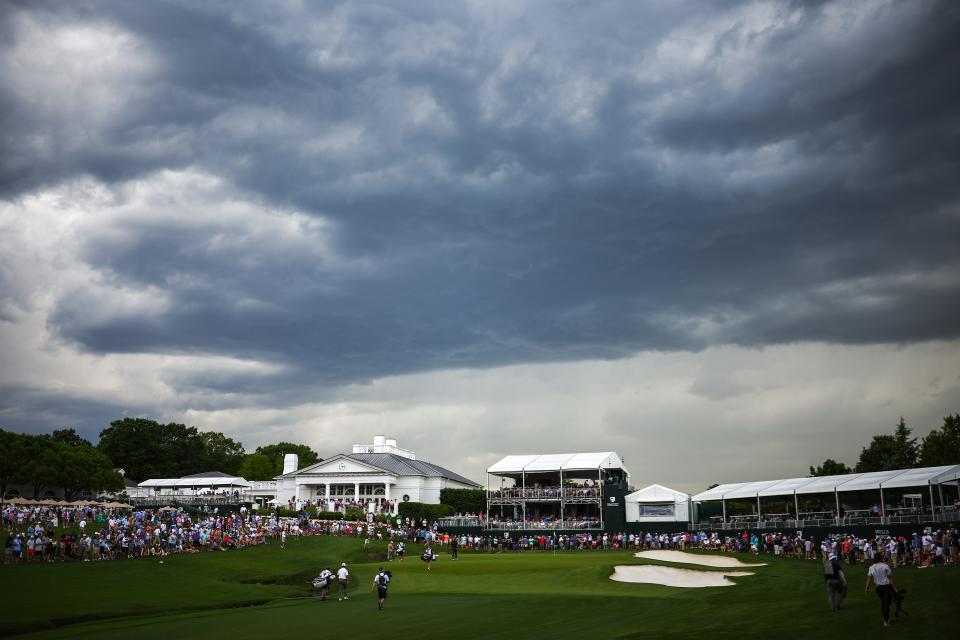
(142, 448)
(61, 459)
(148, 449)
(900, 450)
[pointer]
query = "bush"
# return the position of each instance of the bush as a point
(328, 515)
(465, 500)
(418, 511)
(355, 514)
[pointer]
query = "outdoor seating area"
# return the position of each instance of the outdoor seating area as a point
(903, 496)
(552, 491)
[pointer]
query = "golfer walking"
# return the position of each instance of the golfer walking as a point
(343, 576)
(836, 582)
(380, 582)
(881, 575)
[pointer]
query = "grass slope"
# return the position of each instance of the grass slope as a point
(261, 591)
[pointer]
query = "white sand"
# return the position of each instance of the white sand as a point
(694, 558)
(673, 577)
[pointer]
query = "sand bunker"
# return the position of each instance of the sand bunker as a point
(673, 577)
(694, 558)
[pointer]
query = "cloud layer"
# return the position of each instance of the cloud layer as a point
(253, 208)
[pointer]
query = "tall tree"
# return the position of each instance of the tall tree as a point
(830, 467)
(942, 446)
(84, 468)
(879, 455)
(40, 463)
(222, 453)
(257, 466)
(306, 456)
(69, 437)
(907, 451)
(887, 452)
(147, 449)
(12, 460)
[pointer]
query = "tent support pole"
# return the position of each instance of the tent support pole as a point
(758, 509)
(723, 505)
(561, 505)
(796, 508)
(836, 495)
(883, 509)
(933, 510)
(600, 499)
(487, 523)
(523, 498)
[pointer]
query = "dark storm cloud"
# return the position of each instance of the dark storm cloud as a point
(500, 183)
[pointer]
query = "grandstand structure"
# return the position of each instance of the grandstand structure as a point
(903, 496)
(555, 491)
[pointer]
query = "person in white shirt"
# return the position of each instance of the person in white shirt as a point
(881, 575)
(380, 581)
(325, 577)
(343, 576)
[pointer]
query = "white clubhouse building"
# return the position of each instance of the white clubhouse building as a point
(374, 475)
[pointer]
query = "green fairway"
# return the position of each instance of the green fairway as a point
(258, 592)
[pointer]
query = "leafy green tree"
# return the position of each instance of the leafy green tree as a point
(888, 452)
(907, 452)
(942, 446)
(40, 463)
(147, 449)
(222, 453)
(84, 468)
(879, 455)
(830, 467)
(69, 437)
(306, 456)
(12, 460)
(257, 466)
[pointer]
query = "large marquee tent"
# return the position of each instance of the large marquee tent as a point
(924, 477)
(556, 462)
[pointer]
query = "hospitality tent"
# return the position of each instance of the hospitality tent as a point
(657, 503)
(211, 480)
(560, 463)
(924, 477)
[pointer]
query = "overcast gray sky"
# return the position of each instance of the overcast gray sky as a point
(720, 238)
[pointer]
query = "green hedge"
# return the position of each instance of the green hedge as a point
(464, 500)
(417, 511)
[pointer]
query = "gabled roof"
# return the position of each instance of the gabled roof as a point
(557, 462)
(393, 464)
(656, 493)
(208, 474)
(399, 465)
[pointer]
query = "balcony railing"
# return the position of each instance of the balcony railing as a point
(751, 521)
(544, 494)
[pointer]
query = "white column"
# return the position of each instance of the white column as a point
(386, 496)
(296, 498)
(327, 496)
(356, 491)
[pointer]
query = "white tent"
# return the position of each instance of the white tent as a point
(556, 462)
(657, 503)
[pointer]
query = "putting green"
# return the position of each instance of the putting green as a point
(263, 591)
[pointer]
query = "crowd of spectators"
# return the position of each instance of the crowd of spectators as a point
(91, 534)
(922, 549)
